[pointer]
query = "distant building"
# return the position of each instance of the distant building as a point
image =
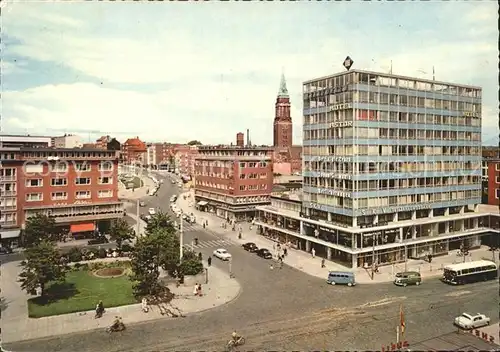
(160, 155)
(491, 186)
(67, 141)
(231, 181)
(134, 151)
(28, 141)
(114, 144)
(185, 158)
(102, 143)
(287, 158)
(240, 139)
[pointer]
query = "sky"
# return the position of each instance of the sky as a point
(182, 71)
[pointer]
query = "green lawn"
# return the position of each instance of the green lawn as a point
(81, 292)
(135, 181)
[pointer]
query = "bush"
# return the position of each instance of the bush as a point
(127, 248)
(75, 255)
(102, 253)
(191, 267)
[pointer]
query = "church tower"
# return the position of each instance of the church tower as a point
(282, 119)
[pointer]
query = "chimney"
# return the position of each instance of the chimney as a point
(240, 139)
(248, 137)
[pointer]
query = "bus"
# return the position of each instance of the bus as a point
(464, 273)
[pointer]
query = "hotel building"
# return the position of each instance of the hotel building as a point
(231, 181)
(391, 167)
(77, 187)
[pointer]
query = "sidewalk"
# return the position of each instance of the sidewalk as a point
(141, 192)
(303, 261)
(16, 326)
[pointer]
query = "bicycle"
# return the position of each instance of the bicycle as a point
(232, 343)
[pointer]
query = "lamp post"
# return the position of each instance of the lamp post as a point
(373, 256)
(138, 219)
(181, 238)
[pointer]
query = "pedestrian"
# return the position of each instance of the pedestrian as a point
(323, 263)
(274, 246)
(200, 256)
(313, 253)
(209, 260)
(199, 290)
(285, 252)
(195, 290)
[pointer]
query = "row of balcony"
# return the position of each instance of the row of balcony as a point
(9, 178)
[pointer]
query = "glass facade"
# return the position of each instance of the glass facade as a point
(380, 148)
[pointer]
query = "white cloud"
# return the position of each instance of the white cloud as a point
(200, 66)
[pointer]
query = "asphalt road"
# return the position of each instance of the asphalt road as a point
(286, 309)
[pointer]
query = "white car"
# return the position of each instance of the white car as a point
(222, 254)
(467, 321)
(152, 211)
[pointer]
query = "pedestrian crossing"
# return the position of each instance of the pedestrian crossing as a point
(221, 243)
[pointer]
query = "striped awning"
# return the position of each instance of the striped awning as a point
(85, 227)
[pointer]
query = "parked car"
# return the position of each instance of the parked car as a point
(222, 254)
(98, 240)
(5, 250)
(467, 321)
(152, 211)
(250, 246)
(142, 204)
(264, 253)
(341, 278)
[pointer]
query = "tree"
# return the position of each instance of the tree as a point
(191, 263)
(42, 265)
(38, 228)
(194, 142)
(121, 231)
(160, 221)
(159, 249)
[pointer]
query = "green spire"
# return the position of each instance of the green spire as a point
(283, 93)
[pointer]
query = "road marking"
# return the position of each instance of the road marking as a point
(212, 244)
(383, 302)
(457, 293)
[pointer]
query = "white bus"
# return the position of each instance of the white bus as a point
(464, 273)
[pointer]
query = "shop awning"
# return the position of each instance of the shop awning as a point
(202, 203)
(85, 227)
(10, 234)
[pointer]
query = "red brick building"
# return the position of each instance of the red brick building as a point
(77, 187)
(134, 151)
(493, 190)
(287, 158)
(159, 154)
(185, 159)
(231, 181)
(240, 139)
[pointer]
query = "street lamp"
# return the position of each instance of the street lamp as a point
(181, 238)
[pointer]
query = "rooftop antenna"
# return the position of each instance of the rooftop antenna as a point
(391, 68)
(433, 74)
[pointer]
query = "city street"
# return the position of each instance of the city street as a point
(288, 310)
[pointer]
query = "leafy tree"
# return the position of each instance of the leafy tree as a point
(160, 221)
(191, 264)
(121, 231)
(194, 142)
(38, 228)
(43, 264)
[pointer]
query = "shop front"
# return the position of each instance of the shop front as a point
(10, 238)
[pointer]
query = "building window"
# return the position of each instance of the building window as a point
(105, 180)
(82, 195)
(243, 176)
(243, 188)
(34, 183)
(59, 182)
(60, 167)
(82, 181)
(59, 195)
(34, 197)
(263, 175)
(106, 166)
(497, 166)
(82, 166)
(243, 165)
(263, 186)
(105, 194)
(497, 179)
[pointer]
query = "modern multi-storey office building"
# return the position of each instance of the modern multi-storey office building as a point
(392, 165)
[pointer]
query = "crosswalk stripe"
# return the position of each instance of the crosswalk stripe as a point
(212, 244)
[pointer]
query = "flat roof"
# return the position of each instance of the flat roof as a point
(385, 74)
(234, 147)
(90, 150)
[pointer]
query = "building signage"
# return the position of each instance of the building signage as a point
(341, 124)
(342, 106)
(471, 114)
(379, 233)
(341, 159)
(333, 192)
(395, 346)
(384, 210)
(79, 202)
(332, 175)
(317, 206)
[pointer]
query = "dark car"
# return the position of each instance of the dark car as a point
(5, 250)
(98, 240)
(250, 246)
(264, 253)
